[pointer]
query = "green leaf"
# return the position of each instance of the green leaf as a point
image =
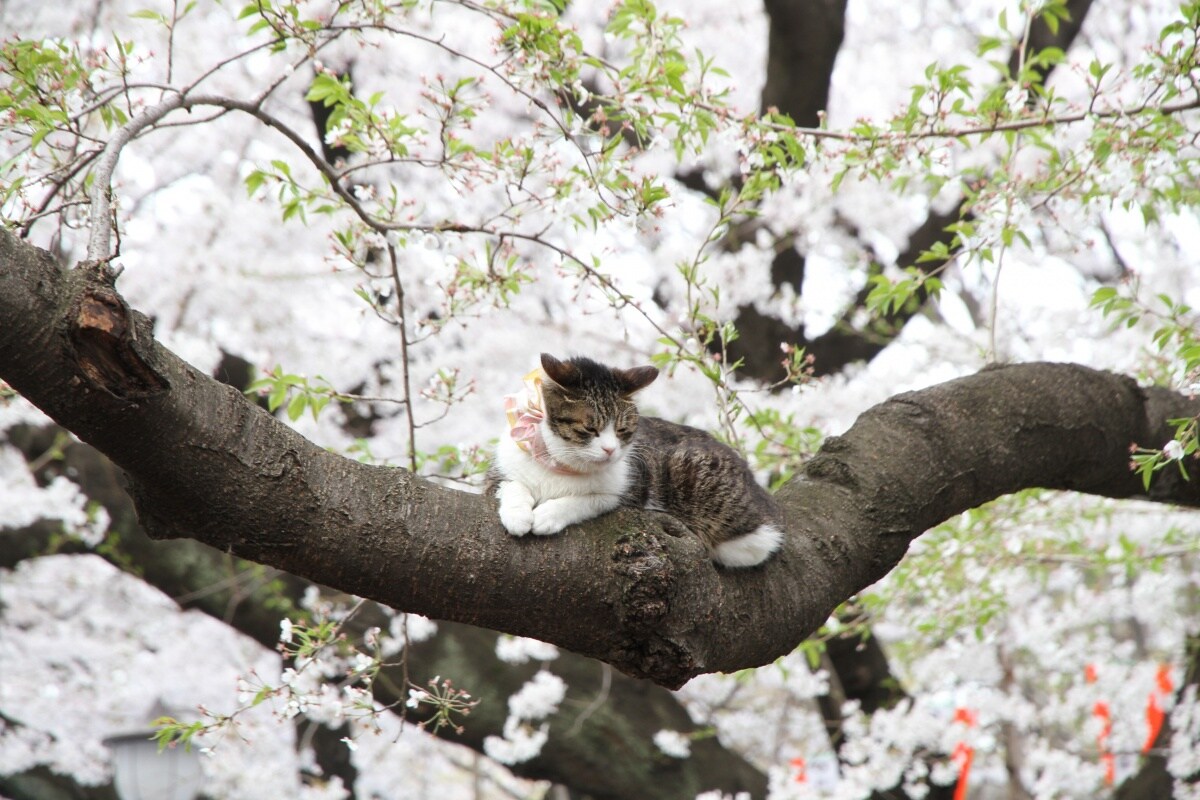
(38, 136)
(277, 396)
(295, 407)
(254, 181)
(153, 16)
(317, 403)
(252, 8)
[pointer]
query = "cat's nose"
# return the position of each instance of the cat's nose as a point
(608, 451)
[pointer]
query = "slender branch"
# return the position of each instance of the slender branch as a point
(1014, 147)
(533, 99)
(171, 39)
(402, 321)
(326, 169)
(333, 176)
(1046, 120)
(99, 242)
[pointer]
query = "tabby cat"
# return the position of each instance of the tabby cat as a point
(575, 447)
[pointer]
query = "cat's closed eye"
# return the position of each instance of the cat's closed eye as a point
(585, 430)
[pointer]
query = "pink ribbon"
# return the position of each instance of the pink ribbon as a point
(525, 411)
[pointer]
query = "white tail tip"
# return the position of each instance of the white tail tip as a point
(750, 550)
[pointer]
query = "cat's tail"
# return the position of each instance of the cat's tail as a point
(751, 549)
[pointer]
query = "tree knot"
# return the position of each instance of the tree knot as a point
(642, 561)
(103, 333)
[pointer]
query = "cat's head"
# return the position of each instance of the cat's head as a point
(590, 413)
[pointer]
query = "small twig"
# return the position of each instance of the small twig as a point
(600, 699)
(1122, 264)
(1013, 150)
(350, 397)
(171, 39)
(233, 581)
(400, 313)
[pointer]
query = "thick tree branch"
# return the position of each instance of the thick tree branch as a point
(802, 46)
(206, 463)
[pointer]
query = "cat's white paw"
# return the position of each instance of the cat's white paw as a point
(554, 515)
(516, 508)
(516, 519)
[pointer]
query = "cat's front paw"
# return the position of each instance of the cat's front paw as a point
(516, 508)
(516, 519)
(554, 515)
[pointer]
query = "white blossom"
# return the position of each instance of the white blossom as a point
(61, 499)
(519, 650)
(1184, 759)
(412, 628)
(673, 743)
(416, 697)
(538, 698)
(519, 743)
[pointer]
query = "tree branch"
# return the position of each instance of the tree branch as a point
(206, 463)
(101, 235)
(803, 42)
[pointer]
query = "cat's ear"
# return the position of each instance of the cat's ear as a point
(564, 373)
(631, 380)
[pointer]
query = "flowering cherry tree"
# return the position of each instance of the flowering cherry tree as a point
(438, 185)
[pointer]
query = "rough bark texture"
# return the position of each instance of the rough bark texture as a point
(204, 462)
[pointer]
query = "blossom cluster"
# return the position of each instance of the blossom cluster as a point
(537, 699)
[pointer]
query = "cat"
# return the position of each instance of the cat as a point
(575, 447)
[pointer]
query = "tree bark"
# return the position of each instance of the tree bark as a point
(206, 463)
(802, 45)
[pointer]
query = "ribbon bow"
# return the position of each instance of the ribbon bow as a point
(525, 411)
